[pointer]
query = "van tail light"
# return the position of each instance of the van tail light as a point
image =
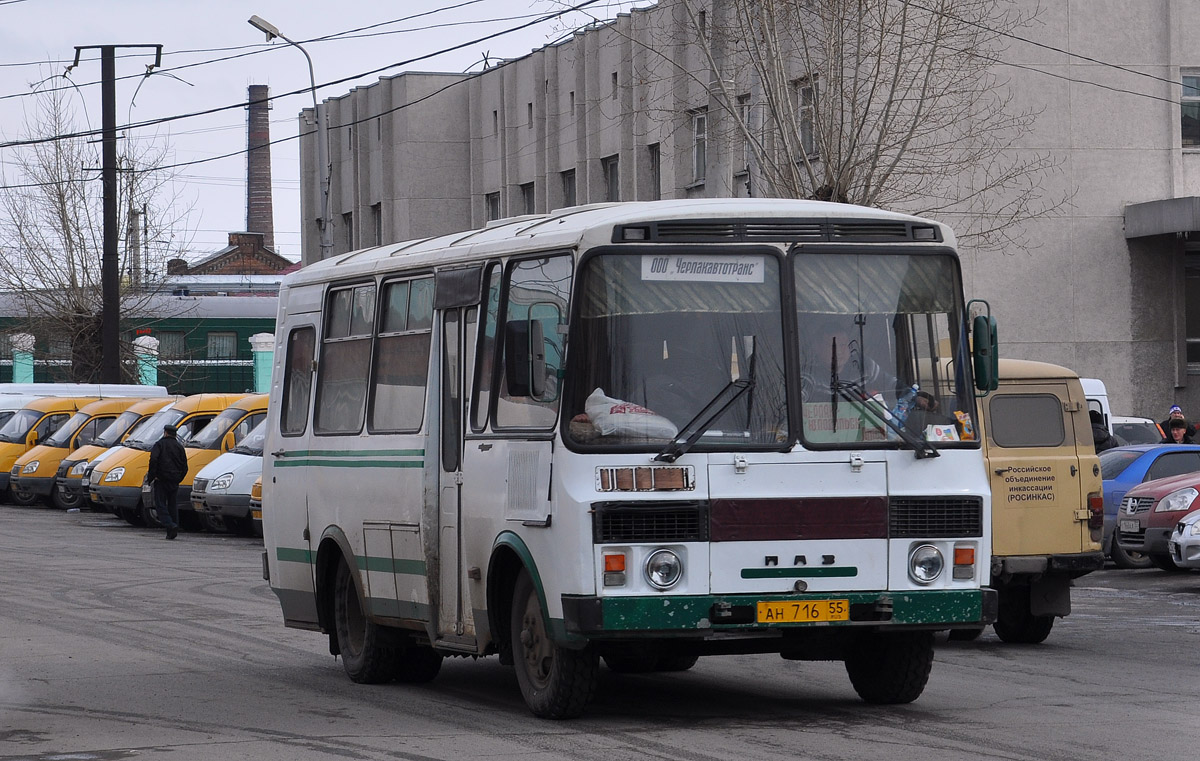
(1095, 510)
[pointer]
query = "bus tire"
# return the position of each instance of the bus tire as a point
(149, 514)
(890, 668)
(965, 635)
(675, 662)
(132, 515)
(63, 500)
(21, 498)
(364, 657)
(638, 663)
(1015, 623)
(556, 683)
(417, 665)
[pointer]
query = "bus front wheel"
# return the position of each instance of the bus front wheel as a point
(556, 683)
(364, 656)
(890, 668)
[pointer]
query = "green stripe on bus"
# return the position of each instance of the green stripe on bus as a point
(350, 463)
(388, 565)
(799, 573)
(293, 555)
(354, 453)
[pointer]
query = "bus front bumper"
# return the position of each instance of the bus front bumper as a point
(625, 616)
(126, 497)
(40, 487)
(225, 505)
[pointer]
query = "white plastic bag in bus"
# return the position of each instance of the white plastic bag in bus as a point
(621, 417)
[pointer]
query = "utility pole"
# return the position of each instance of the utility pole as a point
(110, 269)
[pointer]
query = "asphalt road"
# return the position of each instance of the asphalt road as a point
(117, 644)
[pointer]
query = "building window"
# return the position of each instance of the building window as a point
(1191, 285)
(702, 23)
(527, 199)
(170, 343)
(699, 145)
(6, 346)
(654, 160)
(568, 187)
(806, 113)
(614, 85)
(377, 223)
(610, 166)
(529, 108)
(1190, 111)
(495, 122)
(222, 345)
(745, 116)
(493, 206)
(572, 102)
(348, 228)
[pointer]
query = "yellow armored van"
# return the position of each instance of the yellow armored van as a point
(1047, 496)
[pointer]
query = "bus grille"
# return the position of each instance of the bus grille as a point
(912, 517)
(649, 522)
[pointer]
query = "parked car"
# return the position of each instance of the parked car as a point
(1185, 541)
(1149, 513)
(1136, 430)
(1122, 468)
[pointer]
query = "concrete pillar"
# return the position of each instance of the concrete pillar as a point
(22, 346)
(263, 347)
(145, 348)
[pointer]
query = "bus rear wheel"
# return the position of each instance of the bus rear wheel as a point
(890, 668)
(1016, 623)
(556, 683)
(361, 641)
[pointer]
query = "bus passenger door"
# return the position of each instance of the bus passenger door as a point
(453, 616)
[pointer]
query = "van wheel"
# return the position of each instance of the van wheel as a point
(360, 639)
(890, 668)
(22, 498)
(1015, 623)
(1163, 562)
(63, 500)
(149, 515)
(133, 515)
(1127, 560)
(557, 683)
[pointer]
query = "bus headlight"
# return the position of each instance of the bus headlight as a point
(664, 569)
(31, 467)
(925, 564)
(116, 474)
(79, 468)
(221, 482)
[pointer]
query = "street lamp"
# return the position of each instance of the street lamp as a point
(272, 32)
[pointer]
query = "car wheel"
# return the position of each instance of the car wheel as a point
(890, 668)
(1125, 559)
(556, 683)
(1164, 562)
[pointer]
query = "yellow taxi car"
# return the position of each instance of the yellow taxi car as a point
(69, 491)
(29, 426)
(33, 473)
(116, 481)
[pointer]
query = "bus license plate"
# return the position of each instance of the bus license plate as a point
(803, 611)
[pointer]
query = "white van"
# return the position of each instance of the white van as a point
(1097, 399)
(221, 490)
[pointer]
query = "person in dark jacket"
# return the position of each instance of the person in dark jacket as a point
(1104, 440)
(168, 466)
(1178, 433)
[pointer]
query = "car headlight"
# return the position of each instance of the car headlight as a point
(32, 466)
(925, 564)
(1177, 500)
(116, 474)
(79, 468)
(663, 569)
(221, 482)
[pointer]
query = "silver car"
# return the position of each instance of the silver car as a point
(1184, 543)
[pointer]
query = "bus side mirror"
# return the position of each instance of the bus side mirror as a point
(524, 358)
(985, 353)
(32, 440)
(229, 442)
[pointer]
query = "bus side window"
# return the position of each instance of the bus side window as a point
(345, 360)
(297, 382)
(537, 289)
(482, 388)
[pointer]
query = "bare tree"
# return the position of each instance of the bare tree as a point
(897, 104)
(51, 234)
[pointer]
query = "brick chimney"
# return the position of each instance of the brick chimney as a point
(259, 218)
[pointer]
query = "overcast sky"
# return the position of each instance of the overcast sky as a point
(38, 39)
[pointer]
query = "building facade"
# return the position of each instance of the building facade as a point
(1107, 284)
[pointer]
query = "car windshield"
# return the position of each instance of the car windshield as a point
(19, 425)
(1137, 432)
(1114, 462)
(116, 429)
(62, 437)
(210, 436)
(252, 444)
(144, 436)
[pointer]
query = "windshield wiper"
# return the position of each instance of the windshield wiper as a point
(697, 426)
(921, 447)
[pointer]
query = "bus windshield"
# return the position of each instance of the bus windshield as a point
(657, 338)
(252, 444)
(62, 437)
(17, 427)
(144, 436)
(116, 429)
(210, 436)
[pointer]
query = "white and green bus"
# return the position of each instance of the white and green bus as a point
(633, 433)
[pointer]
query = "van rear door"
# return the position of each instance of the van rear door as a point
(1034, 467)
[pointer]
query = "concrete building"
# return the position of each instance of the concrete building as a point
(1109, 285)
